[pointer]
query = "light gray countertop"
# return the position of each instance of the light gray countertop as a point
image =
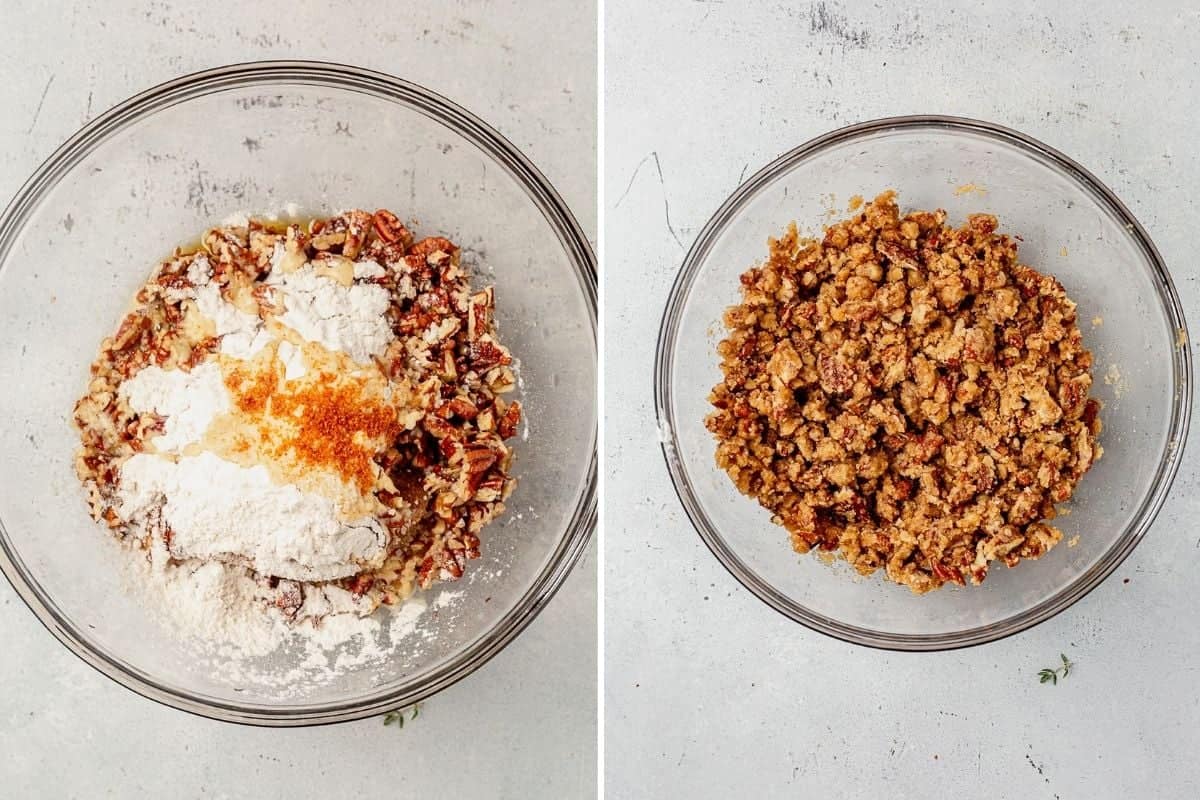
(709, 692)
(522, 726)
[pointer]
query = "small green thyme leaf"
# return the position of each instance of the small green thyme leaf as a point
(1051, 676)
(397, 718)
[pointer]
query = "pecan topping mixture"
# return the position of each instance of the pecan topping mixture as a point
(907, 394)
(403, 412)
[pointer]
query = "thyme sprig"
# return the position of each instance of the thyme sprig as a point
(397, 718)
(1051, 675)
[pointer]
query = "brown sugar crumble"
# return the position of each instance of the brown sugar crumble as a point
(334, 424)
(907, 394)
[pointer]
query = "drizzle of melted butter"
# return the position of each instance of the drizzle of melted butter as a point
(195, 326)
(241, 294)
(338, 268)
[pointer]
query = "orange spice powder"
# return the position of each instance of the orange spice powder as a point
(325, 422)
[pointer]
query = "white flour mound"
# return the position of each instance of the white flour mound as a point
(218, 611)
(242, 335)
(187, 400)
(220, 510)
(350, 319)
(212, 602)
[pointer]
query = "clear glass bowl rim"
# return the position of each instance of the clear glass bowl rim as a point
(1082, 584)
(539, 190)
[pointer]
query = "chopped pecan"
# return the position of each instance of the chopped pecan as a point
(434, 250)
(289, 597)
(507, 425)
(391, 230)
(479, 313)
(490, 488)
(358, 223)
(477, 459)
(837, 377)
(485, 354)
(458, 407)
(898, 254)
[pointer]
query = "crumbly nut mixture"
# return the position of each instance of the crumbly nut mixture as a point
(906, 393)
(420, 440)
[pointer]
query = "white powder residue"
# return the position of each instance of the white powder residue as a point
(187, 400)
(245, 343)
(220, 510)
(1112, 377)
(293, 361)
(228, 621)
(199, 272)
(242, 335)
(663, 432)
(437, 331)
(238, 219)
(212, 602)
(320, 602)
(404, 618)
(368, 269)
(520, 376)
(350, 319)
(446, 599)
(233, 633)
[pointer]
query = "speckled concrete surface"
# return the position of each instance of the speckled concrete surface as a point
(708, 691)
(508, 730)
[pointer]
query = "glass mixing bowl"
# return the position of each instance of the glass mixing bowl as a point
(1072, 227)
(86, 230)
